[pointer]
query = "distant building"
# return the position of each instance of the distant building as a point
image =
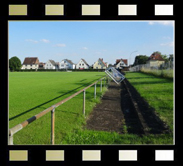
(41, 65)
(51, 64)
(155, 60)
(66, 64)
(30, 63)
(82, 64)
(121, 63)
(100, 64)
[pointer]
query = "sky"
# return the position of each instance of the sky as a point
(90, 40)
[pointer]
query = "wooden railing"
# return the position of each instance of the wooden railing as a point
(51, 109)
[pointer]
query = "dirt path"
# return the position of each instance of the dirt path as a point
(118, 108)
(107, 116)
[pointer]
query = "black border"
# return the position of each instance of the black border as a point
(73, 153)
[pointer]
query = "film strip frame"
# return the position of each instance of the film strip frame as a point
(117, 154)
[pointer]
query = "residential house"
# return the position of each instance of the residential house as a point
(100, 64)
(155, 60)
(51, 64)
(30, 63)
(121, 63)
(41, 65)
(82, 64)
(66, 64)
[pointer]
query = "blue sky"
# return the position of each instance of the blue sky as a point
(89, 40)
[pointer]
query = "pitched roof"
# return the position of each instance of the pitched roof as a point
(84, 61)
(124, 60)
(53, 62)
(31, 60)
(102, 61)
(156, 56)
(41, 63)
(69, 61)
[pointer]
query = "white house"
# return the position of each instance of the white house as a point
(30, 63)
(121, 63)
(82, 64)
(66, 64)
(51, 64)
(100, 64)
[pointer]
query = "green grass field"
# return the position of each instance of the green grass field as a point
(158, 92)
(32, 92)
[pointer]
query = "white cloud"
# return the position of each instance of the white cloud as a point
(170, 23)
(45, 40)
(60, 45)
(84, 48)
(170, 44)
(32, 41)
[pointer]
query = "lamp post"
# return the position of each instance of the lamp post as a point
(130, 56)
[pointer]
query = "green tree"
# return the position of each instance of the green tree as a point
(14, 63)
(140, 59)
(170, 57)
(165, 57)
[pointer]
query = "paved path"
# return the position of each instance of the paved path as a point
(107, 116)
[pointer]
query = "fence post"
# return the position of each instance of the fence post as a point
(101, 85)
(10, 138)
(53, 126)
(95, 92)
(84, 94)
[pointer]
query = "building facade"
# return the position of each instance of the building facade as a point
(66, 64)
(82, 64)
(121, 63)
(30, 63)
(51, 64)
(100, 64)
(155, 60)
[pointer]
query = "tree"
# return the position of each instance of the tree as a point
(170, 57)
(140, 59)
(14, 63)
(165, 57)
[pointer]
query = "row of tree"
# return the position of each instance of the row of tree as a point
(142, 59)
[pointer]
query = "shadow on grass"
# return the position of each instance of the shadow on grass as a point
(71, 91)
(154, 123)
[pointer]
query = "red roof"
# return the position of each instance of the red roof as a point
(156, 56)
(102, 61)
(124, 60)
(31, 60)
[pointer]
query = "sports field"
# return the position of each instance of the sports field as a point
(32, 92)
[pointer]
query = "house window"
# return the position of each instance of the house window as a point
(80, 64)
(83, 64)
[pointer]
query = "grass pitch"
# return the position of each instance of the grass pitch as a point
(32, 92)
